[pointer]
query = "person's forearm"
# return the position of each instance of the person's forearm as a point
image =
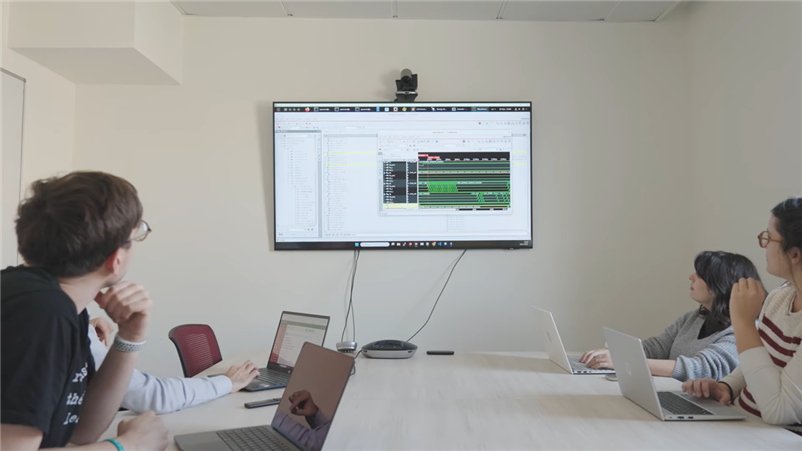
(735, 381)
(663, 368)
(746, 335)
(147, 392)
(104, 396)
(100, 446)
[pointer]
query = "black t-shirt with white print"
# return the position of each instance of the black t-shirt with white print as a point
(44, 356)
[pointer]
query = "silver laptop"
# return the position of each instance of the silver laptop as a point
(555, 349)
(303, 418)
(636, 383)
(294, 329)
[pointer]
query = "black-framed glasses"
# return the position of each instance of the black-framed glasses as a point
(143, 231)
(763, 239)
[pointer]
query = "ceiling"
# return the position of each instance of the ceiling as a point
(530, 10)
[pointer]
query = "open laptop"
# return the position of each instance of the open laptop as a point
(636, 383)
(315, 389)
(294, 329)
(555, 348)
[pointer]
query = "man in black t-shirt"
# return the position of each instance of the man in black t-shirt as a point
(32, 300)
(76, 235)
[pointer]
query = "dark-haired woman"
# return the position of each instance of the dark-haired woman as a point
(700, 343)
(768, 382)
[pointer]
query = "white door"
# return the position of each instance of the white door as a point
(13, 99)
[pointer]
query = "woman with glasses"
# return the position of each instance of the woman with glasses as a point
(768, 381)
(701, 342)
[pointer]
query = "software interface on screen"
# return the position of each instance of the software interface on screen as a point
(293, 332)
(394, 175)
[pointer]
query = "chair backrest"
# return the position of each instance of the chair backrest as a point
(197, 347)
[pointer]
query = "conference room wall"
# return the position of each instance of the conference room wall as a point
(745, 63)
(613, 208)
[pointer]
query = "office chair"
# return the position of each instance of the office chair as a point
(197, 347)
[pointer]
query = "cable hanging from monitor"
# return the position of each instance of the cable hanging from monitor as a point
(351, 310)
(439, 295)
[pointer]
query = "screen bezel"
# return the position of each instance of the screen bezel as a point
(356, 245)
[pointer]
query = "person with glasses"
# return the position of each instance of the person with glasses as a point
(700, 343)
(76, 235)
(768, 381)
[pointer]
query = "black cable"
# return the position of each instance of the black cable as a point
(350, 310)
(441, 293)
(351, 301)
(353, 368)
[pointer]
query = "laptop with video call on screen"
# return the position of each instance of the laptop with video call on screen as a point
(294, 329)
(637, 384)
(556, 350)
(303, 418)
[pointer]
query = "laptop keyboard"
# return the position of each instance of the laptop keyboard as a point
(678, 405)
(258, 438)
(579, 366)
(269, 377)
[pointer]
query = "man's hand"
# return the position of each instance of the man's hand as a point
(128, 305)
(708, 388)
(103, 329)
(241, 375)
(302, 404)
(746, 300)
(598, 358)
(143, 433)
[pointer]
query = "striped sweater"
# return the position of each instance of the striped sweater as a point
(768, 381)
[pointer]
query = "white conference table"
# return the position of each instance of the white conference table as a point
(509, 401)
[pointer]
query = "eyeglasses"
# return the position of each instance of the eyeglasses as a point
(763, 239)
(142, 232)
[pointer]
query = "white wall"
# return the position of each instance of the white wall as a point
(612, 184)
(49, 113)
(745, 64)
(72, 24)
(159, 27)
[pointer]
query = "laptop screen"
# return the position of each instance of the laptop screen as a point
(312, 396)
(294, 330)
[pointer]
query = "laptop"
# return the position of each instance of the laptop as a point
(294, 329)
(302, 419)
(636, 383)
(555, 348)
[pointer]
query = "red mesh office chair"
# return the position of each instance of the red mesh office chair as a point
(197, 347)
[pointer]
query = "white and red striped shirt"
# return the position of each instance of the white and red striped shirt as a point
(768, 381)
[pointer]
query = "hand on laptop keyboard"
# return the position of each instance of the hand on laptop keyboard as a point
(241, 375)
(708, 388)
(597, 359)
(678, 405)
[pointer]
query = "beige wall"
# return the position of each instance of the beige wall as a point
(49, 114)
(652, 142)
(746, 122)
(612, 178)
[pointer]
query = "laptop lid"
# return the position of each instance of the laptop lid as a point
(295, 329)
(632, 368)
(551, 338)
(312, 396)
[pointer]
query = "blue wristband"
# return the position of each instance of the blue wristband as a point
(115, 443)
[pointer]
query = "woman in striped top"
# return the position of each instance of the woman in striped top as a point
(768, 381)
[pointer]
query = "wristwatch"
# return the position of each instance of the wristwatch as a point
(124, 345)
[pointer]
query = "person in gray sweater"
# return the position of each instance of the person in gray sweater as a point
(700, 343)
